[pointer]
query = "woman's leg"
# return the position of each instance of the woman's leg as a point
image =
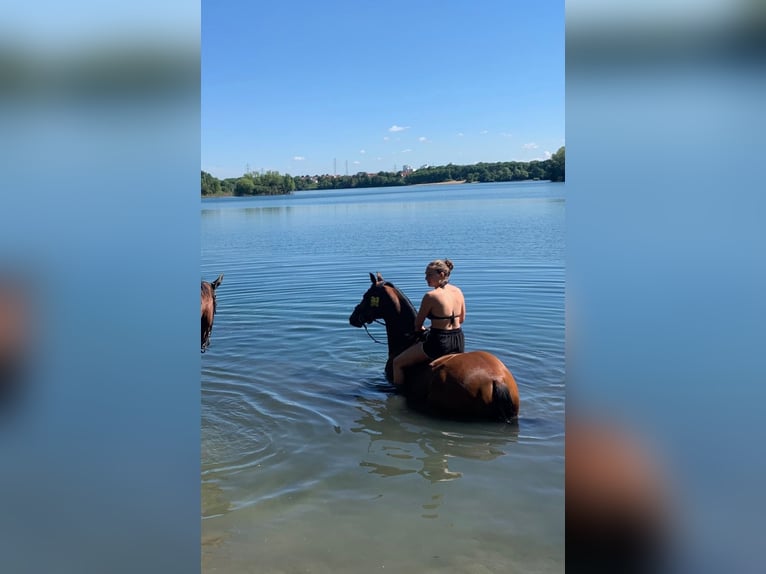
(409, 356)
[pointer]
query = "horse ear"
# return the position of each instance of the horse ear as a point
(380, 277)
(218, 281)
(372, 278)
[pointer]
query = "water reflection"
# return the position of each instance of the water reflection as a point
(248, 212)
(403, 442)
(267, 210)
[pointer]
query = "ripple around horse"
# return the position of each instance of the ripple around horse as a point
(474, 385)
(207, 309)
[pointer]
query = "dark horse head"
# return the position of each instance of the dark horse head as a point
(369, 309)
(207, 309)
(474, 384)
(384, 302)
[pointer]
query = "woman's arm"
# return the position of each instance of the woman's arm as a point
(425, 307)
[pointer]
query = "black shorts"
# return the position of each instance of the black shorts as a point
(441, 342)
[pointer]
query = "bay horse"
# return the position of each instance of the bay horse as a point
(16, 338)
(207, 309)
(472, 385)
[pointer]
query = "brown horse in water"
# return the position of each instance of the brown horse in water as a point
(475, 384)
(17, 338)
(207, 304)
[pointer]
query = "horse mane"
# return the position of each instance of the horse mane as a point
(207, 289)
(401, 297)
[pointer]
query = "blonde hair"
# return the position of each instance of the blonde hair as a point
(444, 266)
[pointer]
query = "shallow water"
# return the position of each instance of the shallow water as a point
(309, 462)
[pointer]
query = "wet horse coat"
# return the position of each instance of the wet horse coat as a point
(207, 309)
(475, 384)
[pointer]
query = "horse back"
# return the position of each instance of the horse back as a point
(477, 381)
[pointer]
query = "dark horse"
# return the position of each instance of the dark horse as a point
(462, 385)
(207, 305)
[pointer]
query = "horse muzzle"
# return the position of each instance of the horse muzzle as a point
(357, 320)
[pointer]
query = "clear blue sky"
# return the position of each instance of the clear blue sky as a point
(310, 87)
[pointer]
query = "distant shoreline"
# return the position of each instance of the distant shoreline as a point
(275, 183)
(448, 182)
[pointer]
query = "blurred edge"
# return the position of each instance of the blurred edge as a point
(665, 34)
(116, 71)
(18, 327)
(618, 509)
(126, 72)
(99, 256)
(664, 287)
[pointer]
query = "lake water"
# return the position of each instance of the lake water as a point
(310, 463)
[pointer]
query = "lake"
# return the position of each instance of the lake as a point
(310, 461)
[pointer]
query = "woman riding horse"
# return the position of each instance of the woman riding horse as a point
(475, 384)
(445, 307)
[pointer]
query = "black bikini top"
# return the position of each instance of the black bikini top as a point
(432, 317)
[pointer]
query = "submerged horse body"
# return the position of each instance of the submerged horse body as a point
(475, 384)
(207, 309)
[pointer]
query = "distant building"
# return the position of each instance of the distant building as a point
(407, 169)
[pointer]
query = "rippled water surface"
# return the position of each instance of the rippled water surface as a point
(310, 463)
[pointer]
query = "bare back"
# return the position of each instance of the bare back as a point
(444, 306)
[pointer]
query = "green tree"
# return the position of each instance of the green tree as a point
(556, 166)
(210, 184)
(535, 170)
(244, 186)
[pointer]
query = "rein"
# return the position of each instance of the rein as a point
(411, 336)
(370, 334)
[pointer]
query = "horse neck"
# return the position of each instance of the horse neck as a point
(400, 324)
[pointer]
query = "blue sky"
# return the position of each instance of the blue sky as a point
(312, 88)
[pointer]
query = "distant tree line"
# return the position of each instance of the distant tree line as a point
(251, 183)
(273, 183)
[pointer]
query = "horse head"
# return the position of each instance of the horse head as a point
(383, 301)
(373, 305)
